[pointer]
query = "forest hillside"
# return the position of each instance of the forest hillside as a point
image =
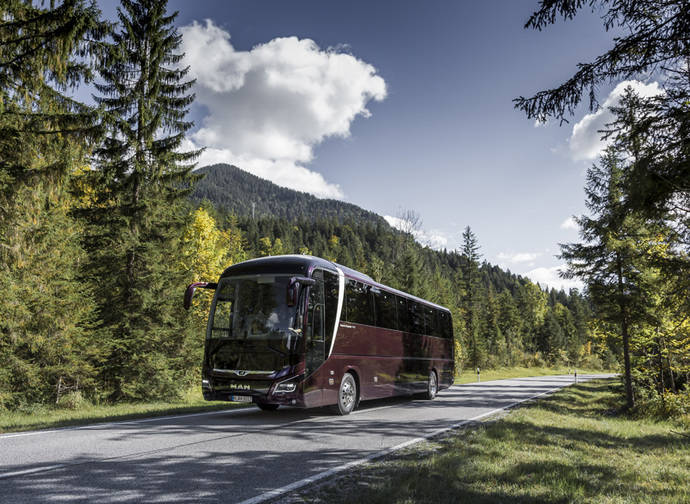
(239, 192)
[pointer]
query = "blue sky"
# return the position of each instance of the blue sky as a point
(402, 105)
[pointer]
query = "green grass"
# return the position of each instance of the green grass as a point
(571, 447)
(43, 417)
(470, 375)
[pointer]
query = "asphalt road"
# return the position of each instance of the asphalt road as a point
(232, 456)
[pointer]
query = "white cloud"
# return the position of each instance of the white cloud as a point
(569, 223)
(434, 238)
(550, 277)
(270, 106)
(519, 257)
(585, 142)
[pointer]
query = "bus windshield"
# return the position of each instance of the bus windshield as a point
(253, 308)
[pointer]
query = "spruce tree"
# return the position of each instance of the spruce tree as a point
(611, 259)
(137, 221)
(45, 308)
(407, 272)
(470, 287)
(655, 41)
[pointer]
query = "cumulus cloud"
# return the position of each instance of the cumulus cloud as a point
(518, 257)
(434, 238)
(549, 277)
(569, 223)
(270, 106)
(585, 142)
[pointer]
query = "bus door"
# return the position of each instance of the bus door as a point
(315, 343)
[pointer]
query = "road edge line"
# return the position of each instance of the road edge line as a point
(232, 411)
(277, 492)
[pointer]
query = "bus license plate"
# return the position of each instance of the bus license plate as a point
(241, 398)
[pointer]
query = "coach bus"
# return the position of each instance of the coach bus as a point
(303, 331)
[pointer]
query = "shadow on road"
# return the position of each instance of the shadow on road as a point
(233, 456)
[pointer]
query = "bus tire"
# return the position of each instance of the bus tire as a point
(431, 386)
(267, 406)
(347, 395)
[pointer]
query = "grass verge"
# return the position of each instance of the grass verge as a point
(44, 417)
(470, 375)
(571, 447)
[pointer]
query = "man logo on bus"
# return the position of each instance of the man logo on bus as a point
(240, 372)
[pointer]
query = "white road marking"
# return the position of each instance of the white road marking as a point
(30, 471)
(232, 411)
(272, 494)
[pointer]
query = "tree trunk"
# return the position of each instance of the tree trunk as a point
(630, 400)
(671, 379)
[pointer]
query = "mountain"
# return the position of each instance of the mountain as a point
(235, 190)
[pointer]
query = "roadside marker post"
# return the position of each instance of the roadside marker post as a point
(478, 379)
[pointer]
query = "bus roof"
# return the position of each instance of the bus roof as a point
(302, 264)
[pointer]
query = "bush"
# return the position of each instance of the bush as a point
(592, 362)
(534, 360)
(663, 406)
(72, 400)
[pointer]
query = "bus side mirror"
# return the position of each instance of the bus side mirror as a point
(293, 288)
(189, 293)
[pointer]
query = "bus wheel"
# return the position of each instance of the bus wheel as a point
(267, 407)
(347, 395)
(431, 386)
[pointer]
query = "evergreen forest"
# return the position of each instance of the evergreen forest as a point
(104, 221)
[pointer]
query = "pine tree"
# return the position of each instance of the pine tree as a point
(45, 309)
(611, 259)
(655, 41)
(470, 288)
(138, 218)
(407, 272)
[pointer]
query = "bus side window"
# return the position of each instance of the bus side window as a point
(360, 309)
(384, 303)
(315, 313)
(428, 326)
(416, 316)
(403, 315)
(431, 319)
(445, 330)
(350, 301)
(331, 286)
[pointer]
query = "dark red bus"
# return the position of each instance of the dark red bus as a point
(303, 331)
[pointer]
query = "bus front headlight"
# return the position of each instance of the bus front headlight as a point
(285, 387)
